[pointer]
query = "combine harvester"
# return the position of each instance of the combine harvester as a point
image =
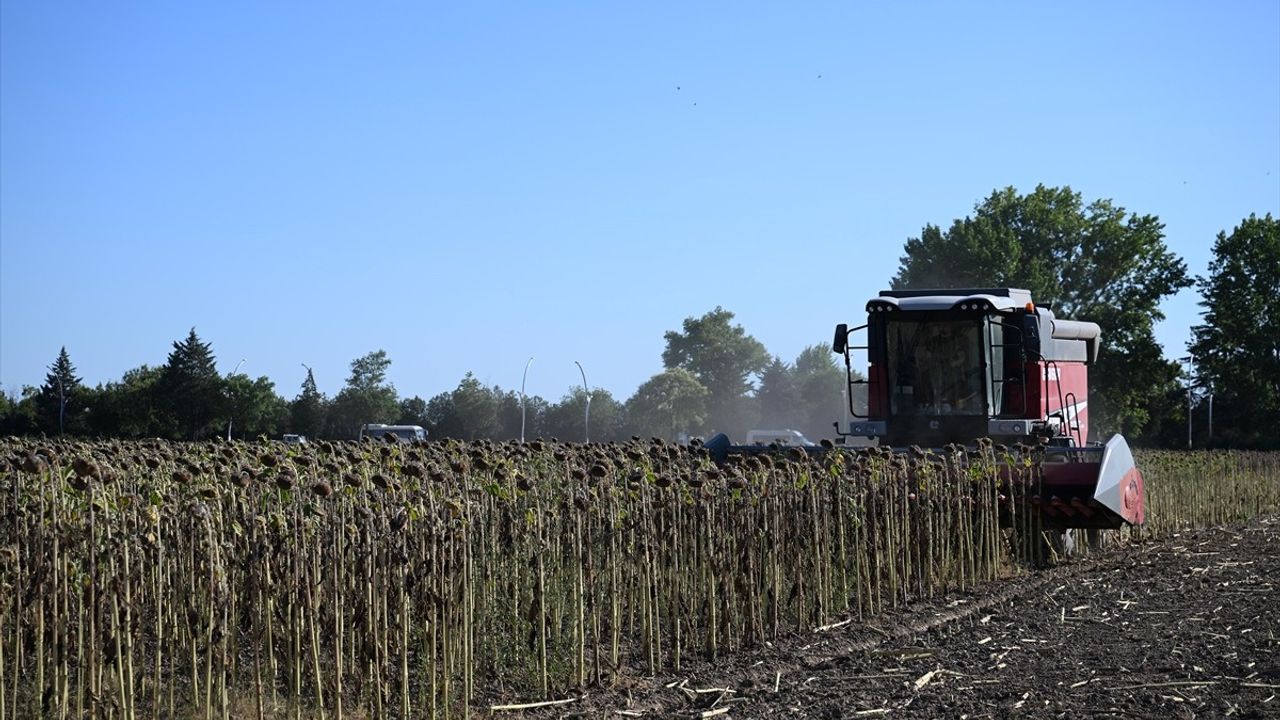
(953, 366)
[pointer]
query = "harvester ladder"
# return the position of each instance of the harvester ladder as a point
(1072, 418)
(1056, 378)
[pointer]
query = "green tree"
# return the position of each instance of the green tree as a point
(254, 407)
(1237, 348)
(568, 418)
(509, 416)
(778, 397)
(308, 411)
(60, 404)
(820, 383)
(366, 398)
(21, 417)
(190, 390)
(129, 408)
(8, 405)
(475, 409)
(1092, 262)
(667, 405)
(468, 412)
(725, 359)
(413, 411)
(1168, 425)
(439, 416)
(807, 395)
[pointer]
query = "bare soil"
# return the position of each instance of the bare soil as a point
(1186, 627)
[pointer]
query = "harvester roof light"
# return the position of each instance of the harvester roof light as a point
(1031, 307)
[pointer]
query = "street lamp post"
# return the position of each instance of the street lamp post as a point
(587, 419)
(1188, 417)
(1209, 435)
(232, 417)
(522, 396)
(1190, 361)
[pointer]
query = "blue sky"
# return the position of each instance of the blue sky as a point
(467, 186)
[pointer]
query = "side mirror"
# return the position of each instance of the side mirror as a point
(1030, 334)
(841, 341)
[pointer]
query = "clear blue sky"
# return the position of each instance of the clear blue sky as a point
(469, 186)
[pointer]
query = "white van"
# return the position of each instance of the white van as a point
(403, 433)
(778, 437)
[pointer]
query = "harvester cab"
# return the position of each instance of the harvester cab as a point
(952, 366)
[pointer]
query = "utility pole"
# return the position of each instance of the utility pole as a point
(522, 397)
(1209, 437)
(1188, 417)
(1190, 361)
(587, 420)
(231, 417)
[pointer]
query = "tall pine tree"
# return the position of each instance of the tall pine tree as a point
(190, 389)
(778, 396)
(59, 404)
(307, 411)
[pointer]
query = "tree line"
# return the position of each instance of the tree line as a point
(1091, 261)
(709, 384)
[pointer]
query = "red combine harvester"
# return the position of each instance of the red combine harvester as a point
(952, 366)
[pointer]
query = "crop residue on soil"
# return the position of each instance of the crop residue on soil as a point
(1186, 627)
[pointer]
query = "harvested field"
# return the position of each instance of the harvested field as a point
(1184, 627)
